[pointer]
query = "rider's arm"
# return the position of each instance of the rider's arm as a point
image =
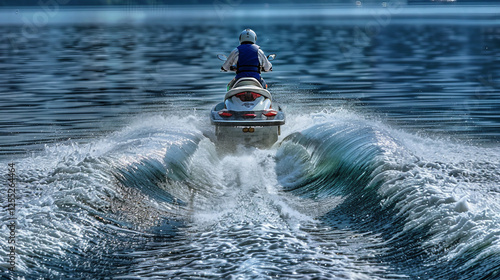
(266, 65)
(231, 60)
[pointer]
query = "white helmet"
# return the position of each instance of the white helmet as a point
(248, 35)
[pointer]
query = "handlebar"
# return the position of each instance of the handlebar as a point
(233, 69)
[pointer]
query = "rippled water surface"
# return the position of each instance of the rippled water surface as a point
(387, 168)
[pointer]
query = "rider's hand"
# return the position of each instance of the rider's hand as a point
(232, 68)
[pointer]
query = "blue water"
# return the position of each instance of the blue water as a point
(388, 166)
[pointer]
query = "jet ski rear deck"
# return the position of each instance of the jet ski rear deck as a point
(221, 117)
(247, 127)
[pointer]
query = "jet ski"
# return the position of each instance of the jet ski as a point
(248, 115)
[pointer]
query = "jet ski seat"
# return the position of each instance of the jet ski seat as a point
(247, 82)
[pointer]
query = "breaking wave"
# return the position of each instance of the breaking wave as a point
(339, 197)
(433, 202)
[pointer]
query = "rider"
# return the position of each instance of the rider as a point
(250, 60)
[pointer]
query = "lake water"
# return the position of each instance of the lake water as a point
(388, 166)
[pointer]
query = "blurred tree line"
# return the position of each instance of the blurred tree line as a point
(230, 2)
(172, 2)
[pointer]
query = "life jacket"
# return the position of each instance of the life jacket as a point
(248, 64)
